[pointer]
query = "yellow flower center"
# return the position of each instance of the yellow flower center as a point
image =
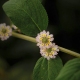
(4, 30)
(45, 40)
(49, 50)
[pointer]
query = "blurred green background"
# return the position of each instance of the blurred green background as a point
(18, 57)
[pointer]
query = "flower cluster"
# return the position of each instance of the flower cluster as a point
(5, 31)
(47, 48)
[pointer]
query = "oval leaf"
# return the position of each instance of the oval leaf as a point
(47, 69)
(71, 70)
(28, 15)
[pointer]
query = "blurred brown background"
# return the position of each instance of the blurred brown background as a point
(18, 57)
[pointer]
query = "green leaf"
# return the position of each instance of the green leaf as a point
(28, 15)
(71, 70)
(47, 69)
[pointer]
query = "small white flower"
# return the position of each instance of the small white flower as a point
(49, 52)
(14, 27)
(44, 39)
(5, 31)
